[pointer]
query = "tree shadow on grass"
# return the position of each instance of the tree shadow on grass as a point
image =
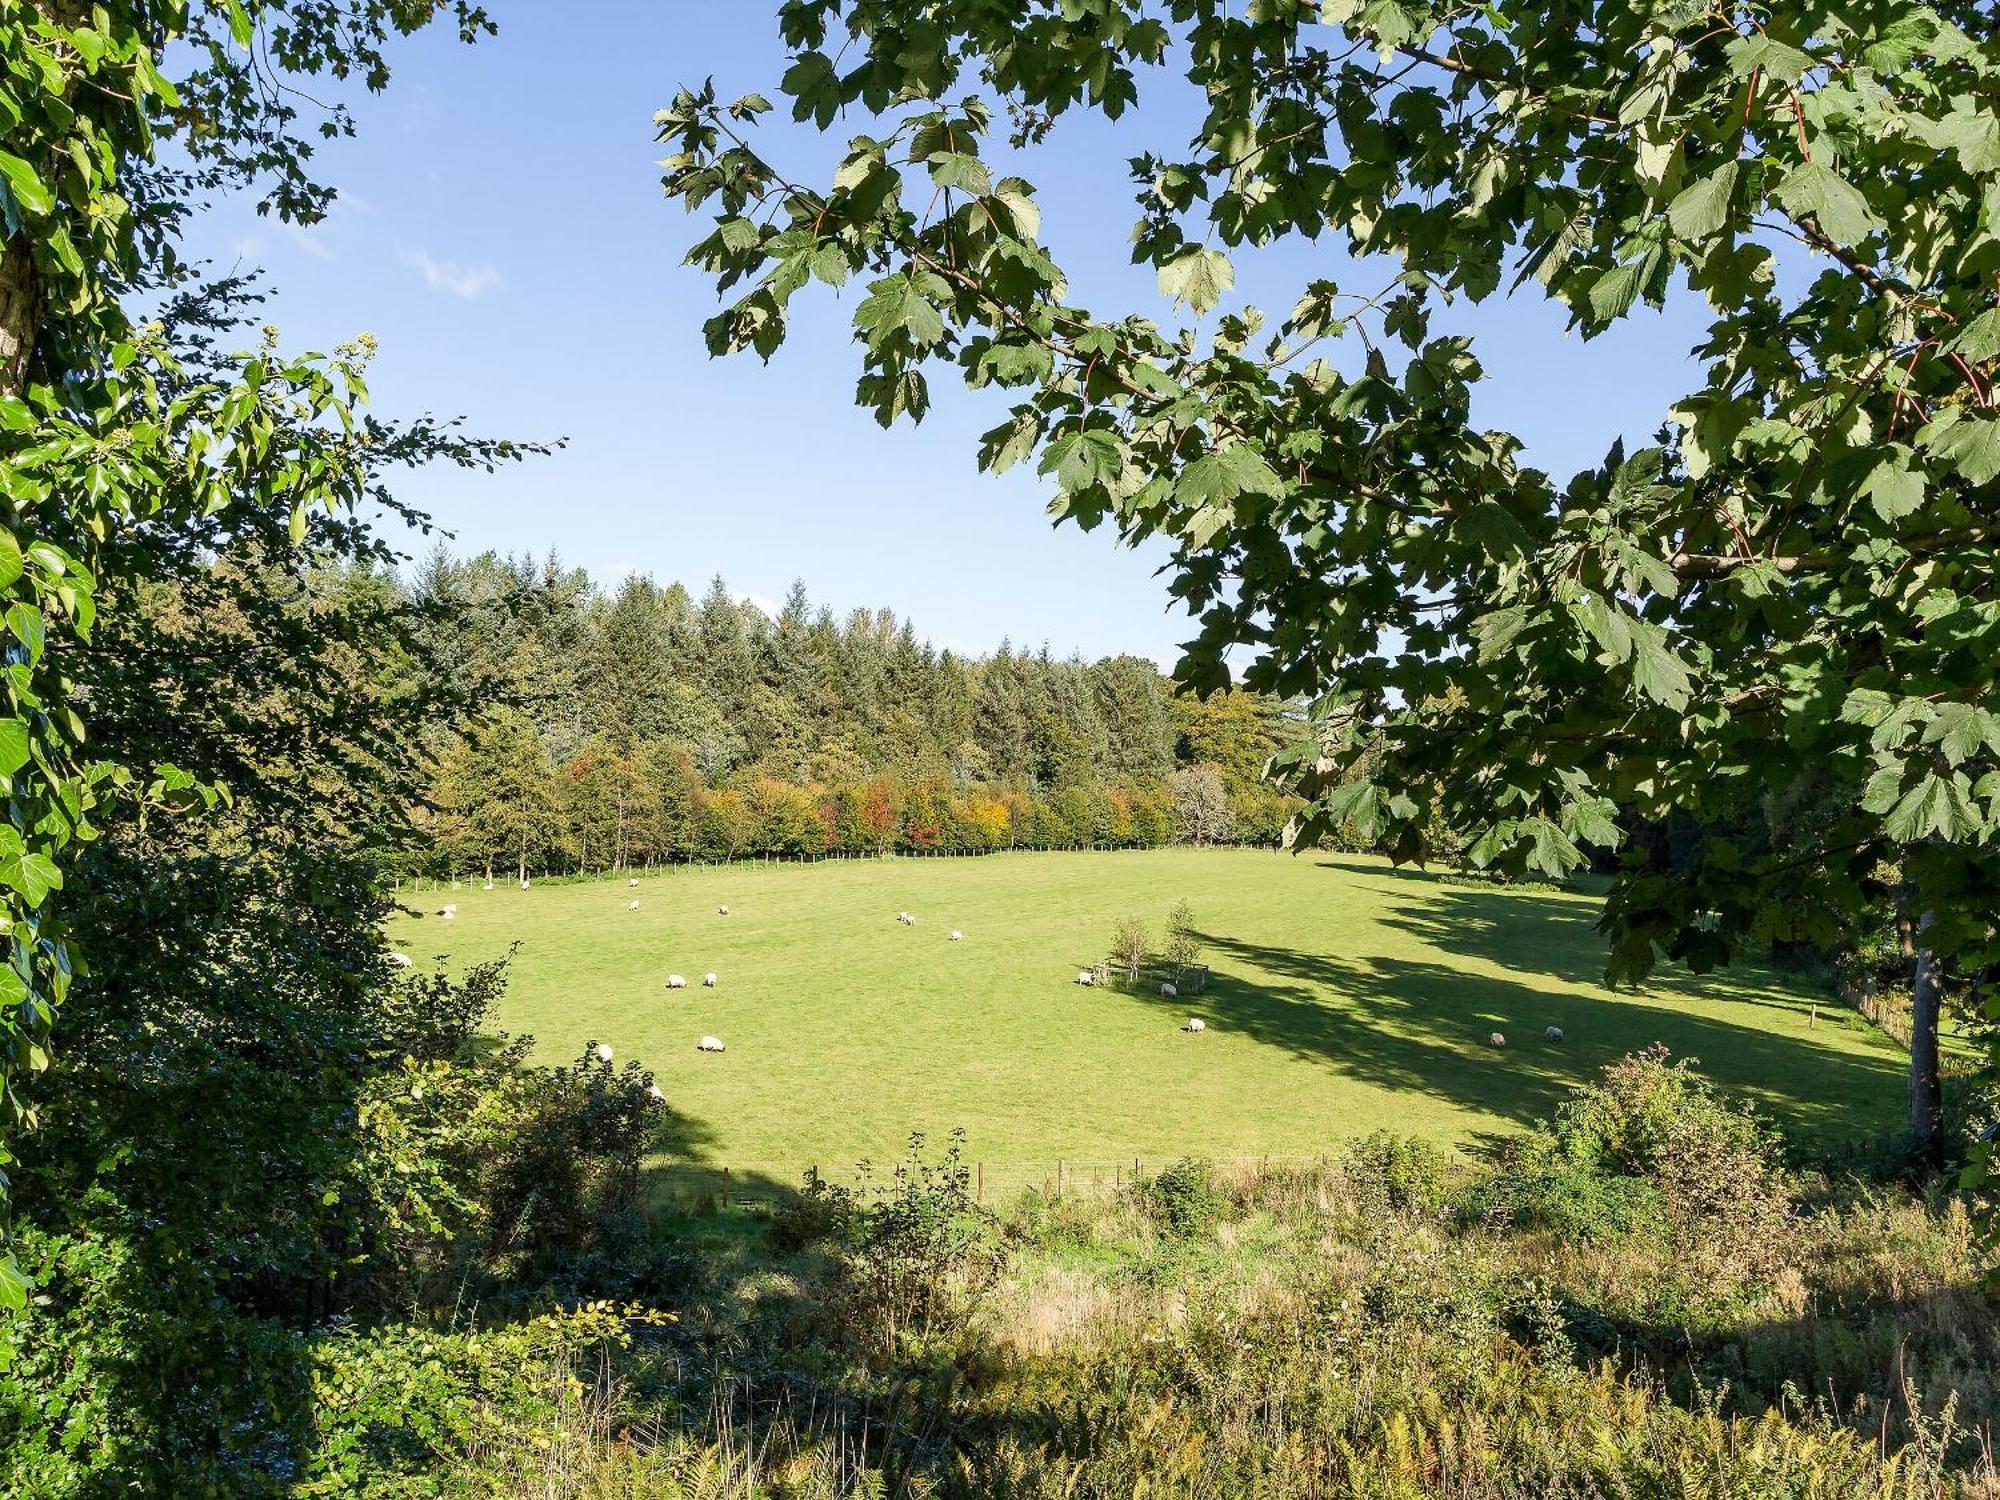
(1420, 1026)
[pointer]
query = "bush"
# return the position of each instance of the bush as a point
(1182, 1201)
(1400, 1173)
(913, 1249)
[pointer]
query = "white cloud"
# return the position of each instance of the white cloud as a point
(311, 238)
(449, 276)
(758, 601)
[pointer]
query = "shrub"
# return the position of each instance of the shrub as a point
(1182, 1201)
(914, 1248)
(1130, 943)
(1400, 1173)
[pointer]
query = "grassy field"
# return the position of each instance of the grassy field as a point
(1347, 997)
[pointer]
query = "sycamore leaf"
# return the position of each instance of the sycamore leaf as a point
(1496, 630)
(1936, 805)
(1702, 207)
(955, 169)
(1894, 488)
(1776, 59)
(1815, 190)
(1979, 340)
(1197, 277)
(1969, 443)
(1959, 730)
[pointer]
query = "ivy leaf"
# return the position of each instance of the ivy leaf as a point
(1198, 278)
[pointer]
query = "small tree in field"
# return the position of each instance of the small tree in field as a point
(1130, 943)
(1183, 945)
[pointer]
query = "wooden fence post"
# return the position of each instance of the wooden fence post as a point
(981, 1195)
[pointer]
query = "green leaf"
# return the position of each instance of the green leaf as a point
(1198, 278)
(1815, 190)
(14, 745)
(955, 169)
(1656, 670)
(27, 188)
(1979, 340)
(1936, 805)
(1962, 730)
(1702, 207)
(1776, 59)
(240, 28)
(1968, 442)
(1894, 488)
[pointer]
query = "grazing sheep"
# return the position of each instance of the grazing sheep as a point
(448, 911)
(1554, 1034)
(1170, 992)
(655, 1093)
(708, 981)
(676, 982)
(631, 906)
(906, 919)
(1195, 1023)
(400, 960)
(602, 1052)
(957, 936)
(1496, 1038)
(524, 882)
(633, 883)
(710, 1044)
(1085, 977)
(722, 911)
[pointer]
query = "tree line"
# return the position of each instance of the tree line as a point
(637, 724)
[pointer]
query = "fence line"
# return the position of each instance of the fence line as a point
(508, 877)
(991, 1182)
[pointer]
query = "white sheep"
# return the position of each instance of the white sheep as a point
(1085, 977)
(487, 887)
(655, 1093)
(1170, 992)
(631, 906)
(708, 981)
(633, 883)
(722, 911)
(906, 919)
(1496, 1038)
(710, 1044)
(400, 960)
(1195, 1023)
(602, 1052)
(1554, 1033)
(448, 911)
(957, 936)
(524, 882)
(676, 982)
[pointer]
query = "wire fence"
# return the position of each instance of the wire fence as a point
(993, 1183)
(508, 876)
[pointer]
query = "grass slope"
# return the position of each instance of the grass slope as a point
(1347, 996)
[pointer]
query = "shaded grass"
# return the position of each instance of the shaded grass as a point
(1346, 997)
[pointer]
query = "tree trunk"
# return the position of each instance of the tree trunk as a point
(20, 300)
(1926, 1089)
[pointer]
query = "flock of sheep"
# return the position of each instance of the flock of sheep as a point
(1085, 977)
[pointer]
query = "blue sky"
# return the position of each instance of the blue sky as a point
(502, 233)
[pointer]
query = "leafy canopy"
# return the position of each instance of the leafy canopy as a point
(1799, 580)
(121, 439)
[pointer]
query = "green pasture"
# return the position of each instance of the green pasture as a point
(1346, 997)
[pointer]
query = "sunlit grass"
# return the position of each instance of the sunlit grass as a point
(1347, 997)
